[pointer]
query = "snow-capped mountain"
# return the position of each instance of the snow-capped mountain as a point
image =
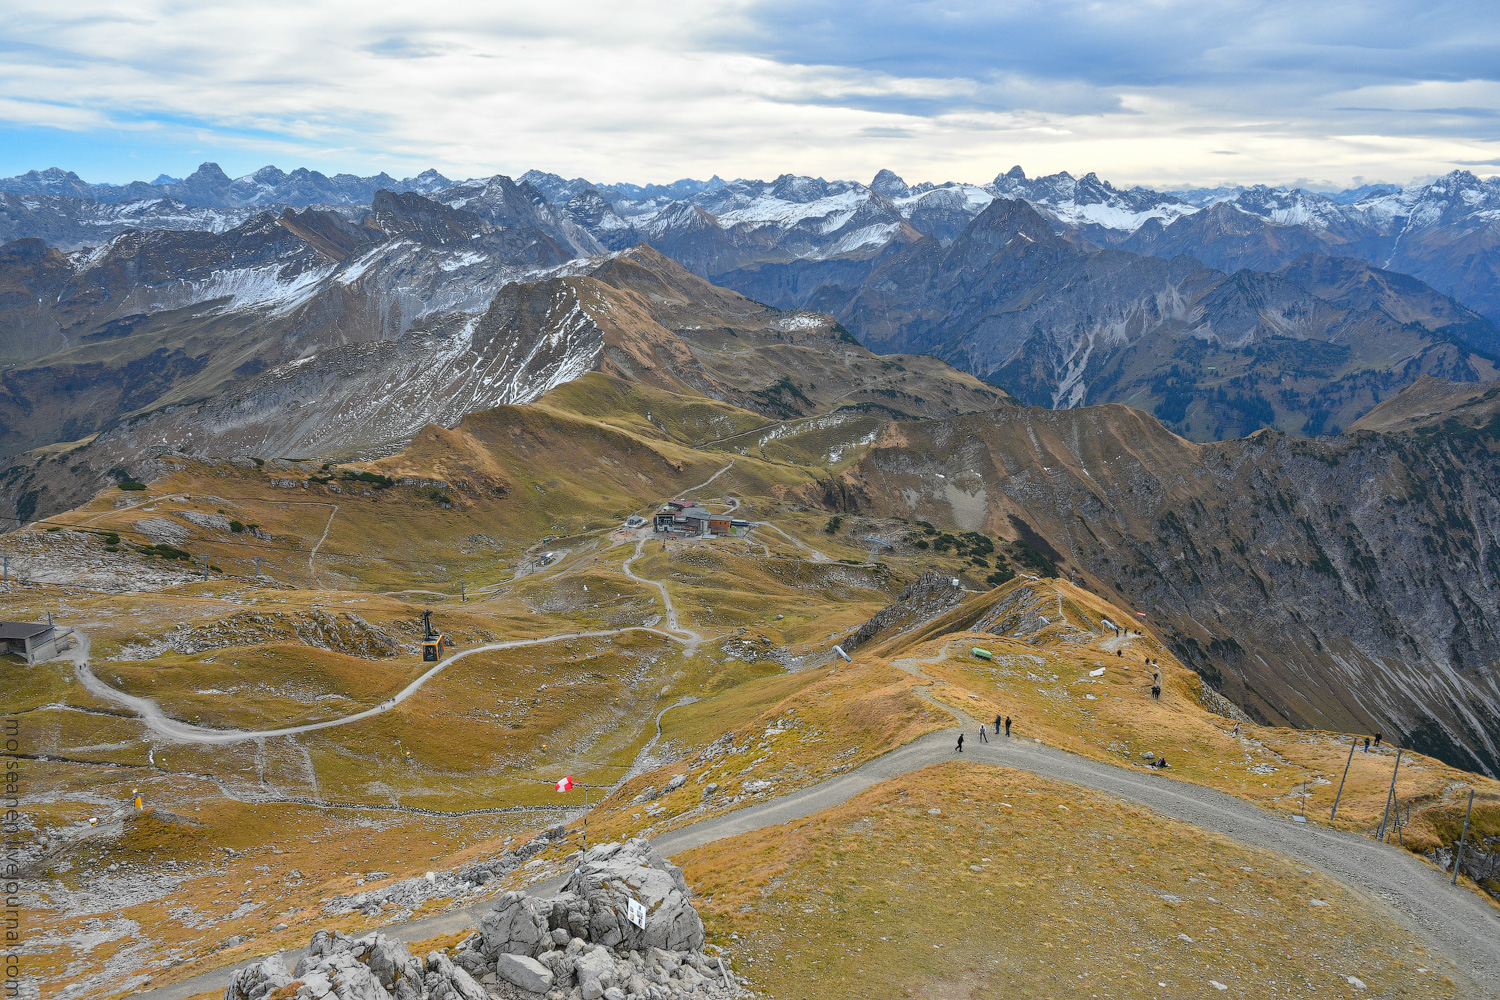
(70, 222)
(869, 253)
(210, 187)
(1444, 231)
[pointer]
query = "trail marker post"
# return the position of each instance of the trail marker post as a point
(1354, 741)
(1389, 796)
(1458, 856)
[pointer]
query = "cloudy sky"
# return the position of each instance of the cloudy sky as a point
(1159, 92)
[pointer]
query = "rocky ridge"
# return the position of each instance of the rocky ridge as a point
(581, 944)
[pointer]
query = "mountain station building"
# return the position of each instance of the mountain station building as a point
(691, 519)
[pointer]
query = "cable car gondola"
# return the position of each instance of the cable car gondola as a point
(434, 643)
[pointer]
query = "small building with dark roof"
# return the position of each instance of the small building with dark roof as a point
(33, 641)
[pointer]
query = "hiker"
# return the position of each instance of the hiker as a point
(960, 747)
(1377, 739)
(1156, 691)
(982, 738)
(1367, 744)
(997, 725)
(1007, 726)
(1161, 762)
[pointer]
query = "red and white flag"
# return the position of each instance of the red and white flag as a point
(566, 784)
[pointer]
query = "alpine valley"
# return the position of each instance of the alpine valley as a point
(1210, 475)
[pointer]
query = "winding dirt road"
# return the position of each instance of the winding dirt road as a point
(184, 732)
(692, 638)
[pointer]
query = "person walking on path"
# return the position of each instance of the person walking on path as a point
(960, 747)
(997, 726)
(1367, 744)
(982, 738)
(1007, 726)
(1377, 739)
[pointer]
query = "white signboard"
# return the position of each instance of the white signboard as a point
(635, 913)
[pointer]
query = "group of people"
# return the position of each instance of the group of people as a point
(1367, 742)
(999, 721)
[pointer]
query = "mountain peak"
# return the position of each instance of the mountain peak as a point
(209, 172)
(888, 183)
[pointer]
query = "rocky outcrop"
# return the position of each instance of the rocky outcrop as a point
(580, 944)
(373, 967)
(583, 941)
(930, 595)
(612, 875)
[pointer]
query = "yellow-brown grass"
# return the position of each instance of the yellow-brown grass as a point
(968, 880)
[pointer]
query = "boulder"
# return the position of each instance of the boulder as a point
(392, 962)
(569, 914)
(561, 965)
(525, 972)
(326, 943)
(350, 979)
(611, 874)
(596, 973)
(254, 982)
(473, 962)
(446, 980)
(517, 924)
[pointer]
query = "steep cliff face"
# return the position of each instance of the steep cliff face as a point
(1309, 348)
(1350, 582)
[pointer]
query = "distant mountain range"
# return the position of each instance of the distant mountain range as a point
(1219, 310)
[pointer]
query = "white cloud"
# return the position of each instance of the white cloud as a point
(638, 91)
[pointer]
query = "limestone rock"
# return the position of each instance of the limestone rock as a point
(259, 980)
(561, 965)
(449, 981)
(596, 972)
(525, 972)
(350, 979)
(473, 962)
(614, 873)
(391, 962)
(516, 925)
